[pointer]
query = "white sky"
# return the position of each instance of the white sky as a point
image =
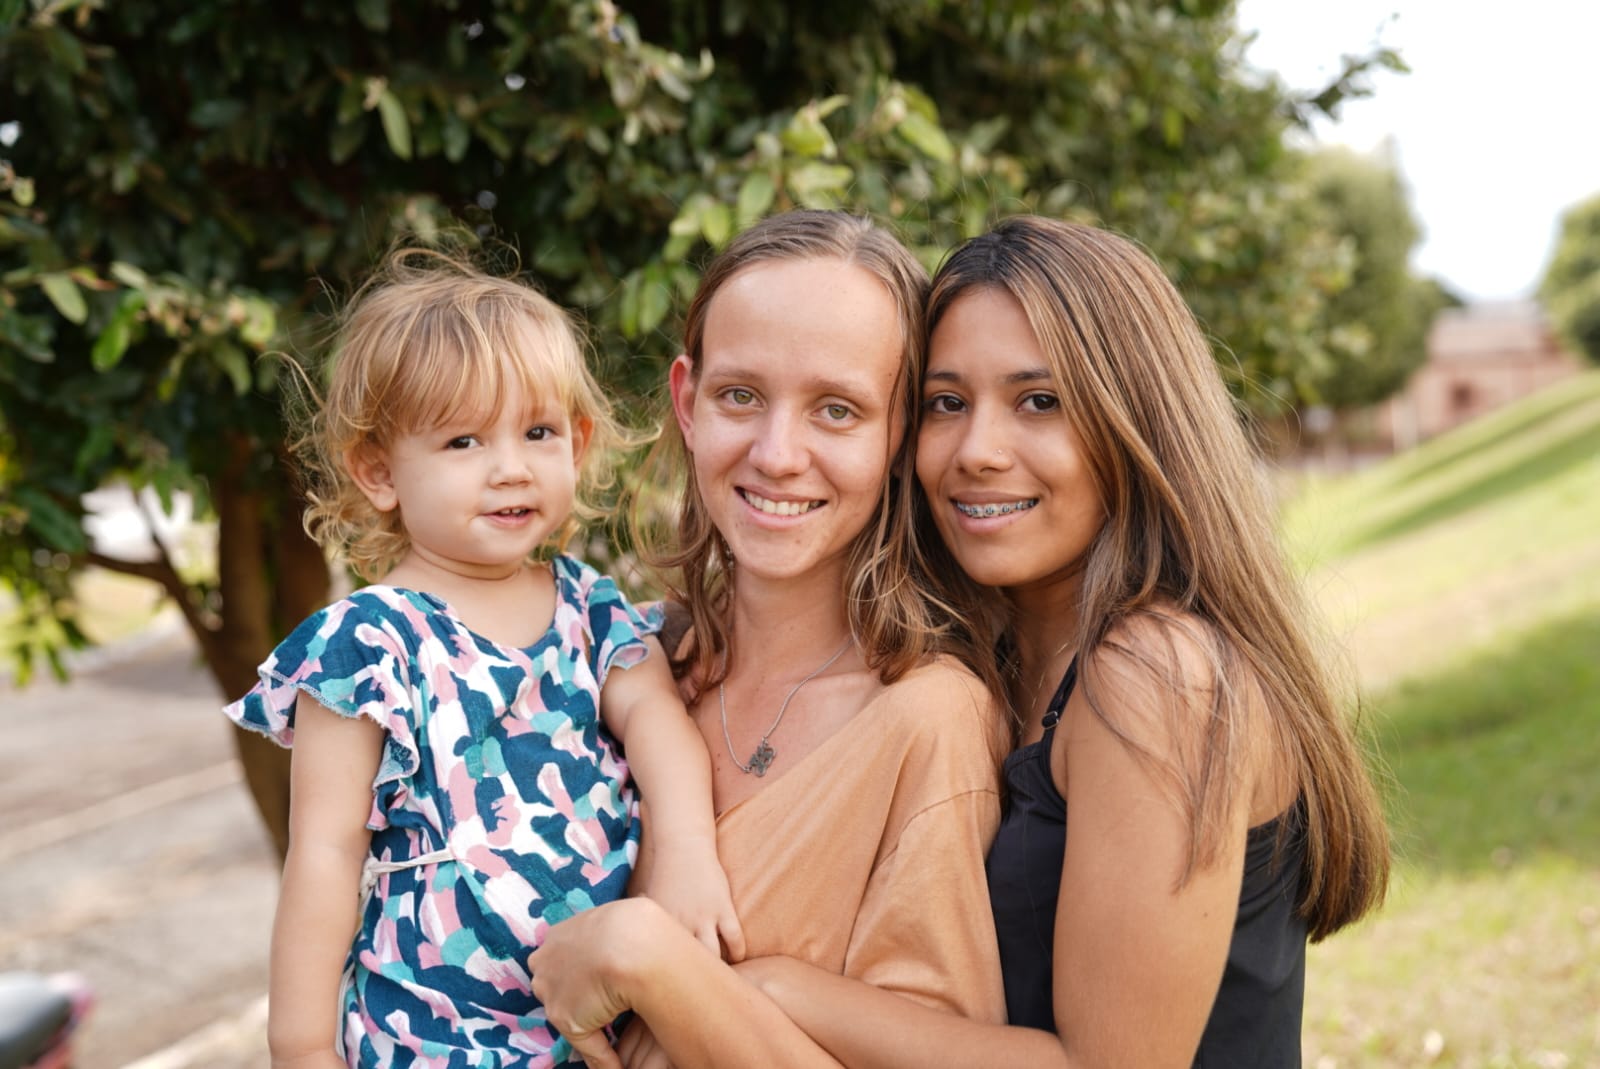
(1495, 129)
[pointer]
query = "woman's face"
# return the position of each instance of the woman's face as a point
(790, 418)
(1006, 474)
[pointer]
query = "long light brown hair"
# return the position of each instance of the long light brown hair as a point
(887, 596)
(429, 337)
(1189, 529)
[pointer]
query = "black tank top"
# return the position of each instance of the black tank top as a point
(1255, 1021)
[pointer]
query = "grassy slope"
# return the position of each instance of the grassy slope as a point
(1467, 577)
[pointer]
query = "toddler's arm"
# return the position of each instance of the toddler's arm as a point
(331, 773)
(668, 758)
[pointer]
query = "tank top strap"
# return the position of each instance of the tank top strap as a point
(1058, 701)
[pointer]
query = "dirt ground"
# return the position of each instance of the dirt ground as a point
(133, 857)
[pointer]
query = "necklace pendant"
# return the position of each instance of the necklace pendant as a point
(762, 759)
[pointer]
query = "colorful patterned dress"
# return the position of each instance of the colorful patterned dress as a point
(500, 807)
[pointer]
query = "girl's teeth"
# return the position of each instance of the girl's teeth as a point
(983, 511)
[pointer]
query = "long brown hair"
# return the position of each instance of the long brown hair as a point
(1189, 528)
(887, 596)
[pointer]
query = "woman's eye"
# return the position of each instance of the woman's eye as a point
(837, 411)
(1041, 402)
(741, 396)
(943, 404)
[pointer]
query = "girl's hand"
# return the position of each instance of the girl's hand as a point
(639, 1050)
(688, 882)
(580, 971)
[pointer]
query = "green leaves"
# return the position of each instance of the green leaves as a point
(65, 295)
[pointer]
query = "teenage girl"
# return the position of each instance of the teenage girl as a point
(458, 784)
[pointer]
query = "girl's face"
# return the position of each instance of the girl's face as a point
(790, 418)
(1005, 471)
(480, 492)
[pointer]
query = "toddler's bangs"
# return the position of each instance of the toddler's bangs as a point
(467, 372)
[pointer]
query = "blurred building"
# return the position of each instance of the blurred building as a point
(1480, 357)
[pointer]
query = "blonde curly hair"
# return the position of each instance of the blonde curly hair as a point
(430, 337)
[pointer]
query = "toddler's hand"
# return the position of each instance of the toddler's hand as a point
(688, 882)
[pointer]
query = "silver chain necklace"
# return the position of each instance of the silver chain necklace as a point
(764, 754)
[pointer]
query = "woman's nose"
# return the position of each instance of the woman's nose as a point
(779, 447)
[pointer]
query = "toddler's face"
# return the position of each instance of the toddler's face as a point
(480, 492)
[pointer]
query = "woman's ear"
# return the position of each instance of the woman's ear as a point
(369, 468)
(680, 382)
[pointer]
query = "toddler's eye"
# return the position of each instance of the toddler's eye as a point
(539, 433)
(463, 441)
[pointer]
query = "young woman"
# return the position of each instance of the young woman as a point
(853, 766)
(1078, 454)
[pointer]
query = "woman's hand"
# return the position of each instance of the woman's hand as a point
(582, 969)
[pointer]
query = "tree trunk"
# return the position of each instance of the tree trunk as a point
(264, 594)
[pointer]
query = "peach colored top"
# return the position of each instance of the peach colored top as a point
(866, 858)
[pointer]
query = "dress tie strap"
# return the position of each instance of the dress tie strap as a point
(373, 868)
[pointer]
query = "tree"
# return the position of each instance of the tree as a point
(1378, 324)
(1571, 285)
(189, 187)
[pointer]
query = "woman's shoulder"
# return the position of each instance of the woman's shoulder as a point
(941, 700)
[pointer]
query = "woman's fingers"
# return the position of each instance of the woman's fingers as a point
(595, 1049)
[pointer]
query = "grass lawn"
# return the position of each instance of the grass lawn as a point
(1467, 576)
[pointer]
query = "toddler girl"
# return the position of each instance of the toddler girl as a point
(455, 784)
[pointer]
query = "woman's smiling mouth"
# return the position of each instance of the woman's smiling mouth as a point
(777, 508)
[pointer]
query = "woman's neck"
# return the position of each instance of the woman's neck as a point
(787, 622)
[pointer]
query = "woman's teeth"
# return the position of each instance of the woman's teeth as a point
(779, 508)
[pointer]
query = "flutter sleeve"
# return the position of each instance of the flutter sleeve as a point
(616, 628)
(353, 657)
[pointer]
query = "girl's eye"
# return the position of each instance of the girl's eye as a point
(463, 441)
(943, 404)
(539, 433)
(837, 411)
(1042, 402)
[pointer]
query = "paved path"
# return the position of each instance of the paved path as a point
(131, 855)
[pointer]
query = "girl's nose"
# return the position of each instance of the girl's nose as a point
(984, 447)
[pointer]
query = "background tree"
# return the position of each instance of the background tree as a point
(1570, 289)
(186, 187)
(1378, 323)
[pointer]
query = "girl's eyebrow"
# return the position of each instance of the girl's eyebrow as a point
(1032, 374)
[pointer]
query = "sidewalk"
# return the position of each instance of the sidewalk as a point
(133, 856)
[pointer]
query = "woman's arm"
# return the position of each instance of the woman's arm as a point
(668, 759)
(632, 955)
(331, 773)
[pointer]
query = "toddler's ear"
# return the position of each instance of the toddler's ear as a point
(369, 467)
(582, 433)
